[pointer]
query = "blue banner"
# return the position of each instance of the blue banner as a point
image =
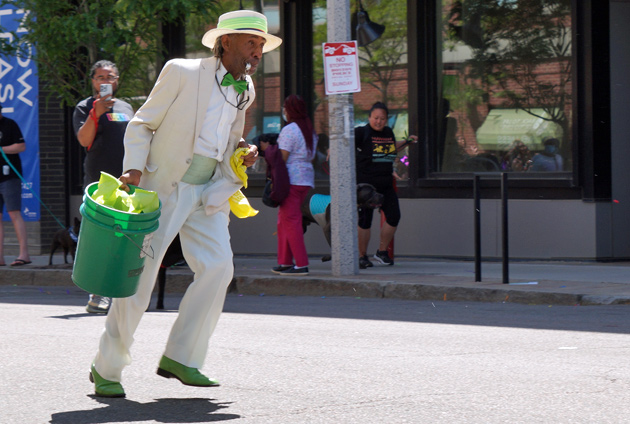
(19, 95)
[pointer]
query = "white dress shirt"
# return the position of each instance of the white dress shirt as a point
(220, 115)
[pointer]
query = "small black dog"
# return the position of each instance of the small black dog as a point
(66, 239)
(316, 208)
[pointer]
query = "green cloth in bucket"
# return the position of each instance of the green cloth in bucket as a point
(109, 194)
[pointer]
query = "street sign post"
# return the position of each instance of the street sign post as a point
(341, 68)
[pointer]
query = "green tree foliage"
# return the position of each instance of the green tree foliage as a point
(380, 59)
(70, 35)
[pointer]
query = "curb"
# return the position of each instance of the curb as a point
(178, 281)
(404, 291)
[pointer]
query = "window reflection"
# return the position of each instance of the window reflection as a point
(383, 68)
(505, 86)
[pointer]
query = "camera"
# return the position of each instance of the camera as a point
(106, 90)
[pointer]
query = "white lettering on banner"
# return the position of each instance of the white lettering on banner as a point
(5, 68)
(21, 28)
(27, 88)
(5, 12)
(6, 93)
(19, 81)
(24, 62)
(8, 35)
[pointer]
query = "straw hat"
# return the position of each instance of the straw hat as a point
(242, 22)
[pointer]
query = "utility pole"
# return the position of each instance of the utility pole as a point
(343, 192)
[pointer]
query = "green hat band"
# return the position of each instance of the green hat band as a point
(243, 24)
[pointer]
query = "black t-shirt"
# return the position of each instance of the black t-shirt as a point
(375, 154)
(107, 150)
(10, 133)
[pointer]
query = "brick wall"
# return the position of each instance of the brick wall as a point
(53, 140)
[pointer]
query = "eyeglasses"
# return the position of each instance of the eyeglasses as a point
(110, 78)
(240, 105)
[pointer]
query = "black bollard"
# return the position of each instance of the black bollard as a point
(477, 215)
(504, 226)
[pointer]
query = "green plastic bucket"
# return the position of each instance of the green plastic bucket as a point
(112, 247)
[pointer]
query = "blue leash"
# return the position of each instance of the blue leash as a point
(30, 189)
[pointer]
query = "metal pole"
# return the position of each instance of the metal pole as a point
(504, 226)
(477, 214)
(343, 191)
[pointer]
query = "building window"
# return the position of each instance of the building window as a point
(383, 69)
(505, 87)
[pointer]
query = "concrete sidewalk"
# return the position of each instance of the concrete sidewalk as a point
(560, 283)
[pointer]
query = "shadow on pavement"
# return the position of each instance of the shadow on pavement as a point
(608, 319)
(195, 410)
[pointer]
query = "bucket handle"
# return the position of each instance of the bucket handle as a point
(119, 229)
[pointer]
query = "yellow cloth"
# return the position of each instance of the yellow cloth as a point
(139, 201)
(236, 161)
(239, 205)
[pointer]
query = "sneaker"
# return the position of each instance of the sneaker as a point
(383, 258)
(280, 268)
(365, 262)
(98, 304)
(295, 271)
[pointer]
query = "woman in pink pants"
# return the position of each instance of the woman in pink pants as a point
(298, 144)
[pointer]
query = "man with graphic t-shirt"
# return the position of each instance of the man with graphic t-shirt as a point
(100, 124)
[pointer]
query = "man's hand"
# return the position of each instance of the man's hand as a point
(251, 158)
(130, 177)
(102, 105)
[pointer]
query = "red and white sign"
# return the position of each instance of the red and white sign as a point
(341, 67)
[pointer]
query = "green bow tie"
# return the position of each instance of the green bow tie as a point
(239, 86)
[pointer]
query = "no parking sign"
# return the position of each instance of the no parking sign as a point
(341, 67)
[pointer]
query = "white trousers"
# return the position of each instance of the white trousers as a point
(206, 246)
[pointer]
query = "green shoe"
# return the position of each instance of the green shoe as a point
(187, 375)
(105, 388)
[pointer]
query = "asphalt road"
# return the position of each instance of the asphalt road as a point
(326, 360)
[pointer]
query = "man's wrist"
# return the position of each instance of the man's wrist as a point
(93, 116)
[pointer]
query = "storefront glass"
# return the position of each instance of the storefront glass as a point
(383, 68)
(505, 84)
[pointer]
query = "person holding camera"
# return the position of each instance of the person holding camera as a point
(99, 123)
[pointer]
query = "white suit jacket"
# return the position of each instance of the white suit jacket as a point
(159, 140)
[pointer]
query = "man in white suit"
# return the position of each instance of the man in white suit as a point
(179, 144)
